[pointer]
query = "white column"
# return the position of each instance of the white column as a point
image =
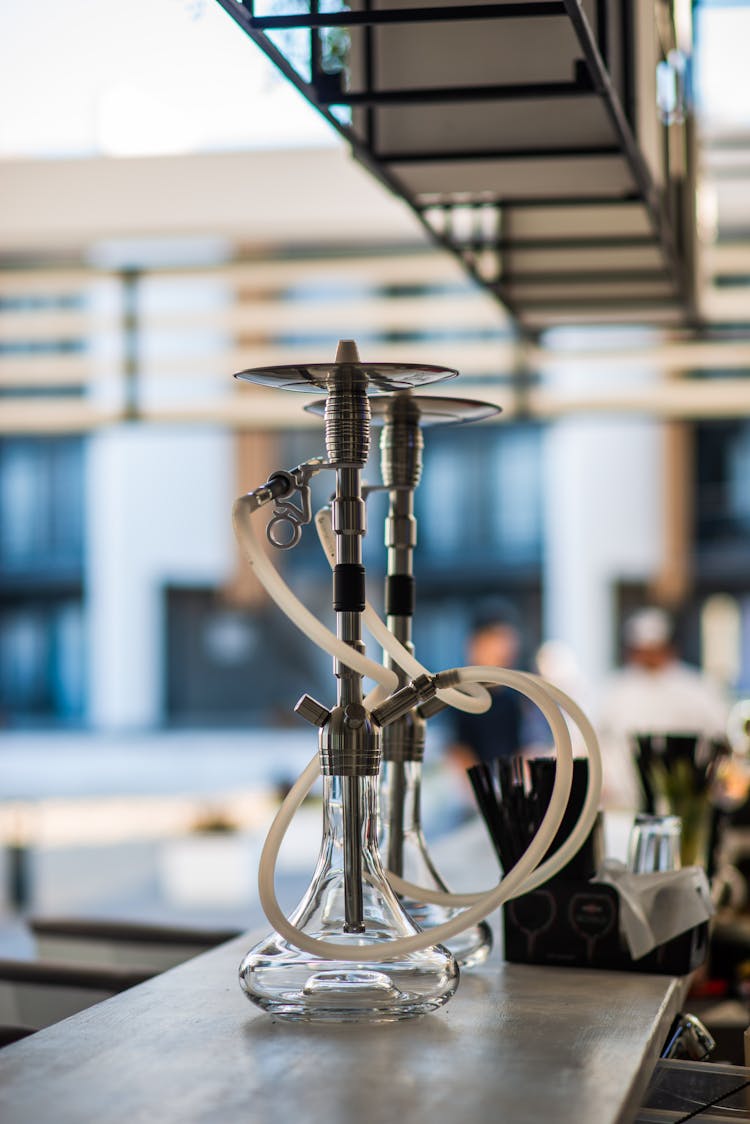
(158, 513)
(603, 508)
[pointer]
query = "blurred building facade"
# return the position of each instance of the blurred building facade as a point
(125, 439)
(124, 312)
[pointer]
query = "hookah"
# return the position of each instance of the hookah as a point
(350, 951)
(403, 416)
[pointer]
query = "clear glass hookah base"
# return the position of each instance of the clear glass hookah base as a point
(404, 849)
(292, 984)
(470, 947)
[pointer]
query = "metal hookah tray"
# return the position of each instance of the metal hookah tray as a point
(324, 376)
(430, 410)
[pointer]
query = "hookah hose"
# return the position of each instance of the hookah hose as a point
(516, 881)
(289, 604)
(408, 663)
(510, 885)
(472, 698)
(572, 844)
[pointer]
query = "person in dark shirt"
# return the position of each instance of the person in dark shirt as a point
(495, 641)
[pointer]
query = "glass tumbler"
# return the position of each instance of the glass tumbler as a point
(654, 844)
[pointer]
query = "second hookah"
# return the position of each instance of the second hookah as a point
(402, 839)
(402, 417)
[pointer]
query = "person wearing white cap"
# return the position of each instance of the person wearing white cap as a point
(653, 693)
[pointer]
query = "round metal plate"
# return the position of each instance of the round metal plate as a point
(380, 376)
(432, 410)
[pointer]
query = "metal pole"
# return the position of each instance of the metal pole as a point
(401, 469)
(349, 693)
(347, 445)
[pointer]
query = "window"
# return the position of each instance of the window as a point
(41, 509)
(480, 499)
(41, 567)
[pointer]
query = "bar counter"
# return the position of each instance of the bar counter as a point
(517, 1043)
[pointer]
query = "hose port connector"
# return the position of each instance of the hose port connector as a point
(349, 743)
(404, 700)
(404, 739)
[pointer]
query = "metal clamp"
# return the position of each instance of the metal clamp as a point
(284, 529)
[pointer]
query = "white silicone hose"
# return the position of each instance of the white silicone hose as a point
(510, 885)
(522, 878)
(404, 659)
(555, 863)
(289, 604)
(473, 698)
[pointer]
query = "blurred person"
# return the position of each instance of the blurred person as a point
(556, 663)
(494, 641)
(654, 693)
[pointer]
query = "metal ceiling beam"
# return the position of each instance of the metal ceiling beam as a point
(446, 95)
(552, 244)
(240, 13)
(583, 276)
(639, 169)
(592, 78)
(378, 18)
(449, 156)
(521, 201)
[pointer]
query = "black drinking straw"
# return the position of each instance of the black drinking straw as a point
(513, 802)
(643, 756)
(513, 815)
(480, 776)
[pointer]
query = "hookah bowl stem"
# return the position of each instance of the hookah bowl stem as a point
(352, 817)
(351, 747)
(401, 446)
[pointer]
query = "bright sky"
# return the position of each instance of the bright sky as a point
(137, 77)
(722, 75)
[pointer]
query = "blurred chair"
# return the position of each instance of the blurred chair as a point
(122, 944)
(35, 994)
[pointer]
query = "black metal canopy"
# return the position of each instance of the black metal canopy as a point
(525, 136)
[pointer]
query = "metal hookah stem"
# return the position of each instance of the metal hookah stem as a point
(401, 469)
(347, 421)
(349, 693)
(400, 562)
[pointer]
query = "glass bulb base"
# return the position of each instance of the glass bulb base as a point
(470, 947)
(292, 984)
(404, 850)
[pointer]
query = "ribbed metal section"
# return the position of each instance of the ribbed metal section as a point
(404, 740)
(349, 744)
(401, 444)
(339, 763)
(347, 420)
